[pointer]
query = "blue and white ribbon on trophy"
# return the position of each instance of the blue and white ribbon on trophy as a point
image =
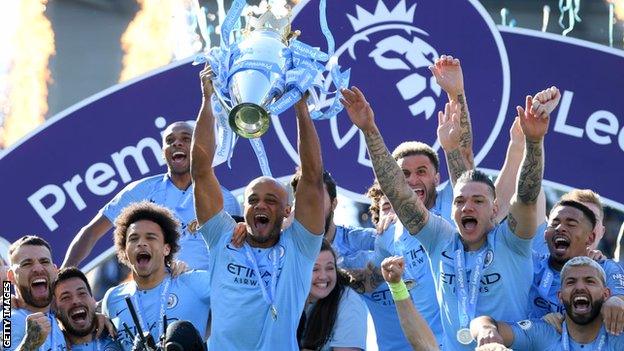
(304, 71)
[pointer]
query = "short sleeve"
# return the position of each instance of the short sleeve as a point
(133, 192)
(215, 227)
(533, 334)
(350, 327)
(307, 243)
(230, 204)
(436, 232)
(513, 242)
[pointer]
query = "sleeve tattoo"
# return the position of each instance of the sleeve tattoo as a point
(456, 164)
(408, 208)
(530, 179)
(464, 122)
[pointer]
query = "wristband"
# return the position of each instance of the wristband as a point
(399, 291)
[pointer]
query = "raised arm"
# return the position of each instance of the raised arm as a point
(449, 75)
(85, 240)
(409, 208)
(534, 119)
(310, 192)
(207, 192)
(449, 135)
(506, 181)
(486, 331)
(414, 326)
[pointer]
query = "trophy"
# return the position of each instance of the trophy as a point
(265, 70)
(256, 75)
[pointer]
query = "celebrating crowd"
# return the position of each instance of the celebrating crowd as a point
(468, 264)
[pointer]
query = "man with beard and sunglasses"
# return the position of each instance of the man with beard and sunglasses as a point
(583, 292)
(33, 325)
(75, 309)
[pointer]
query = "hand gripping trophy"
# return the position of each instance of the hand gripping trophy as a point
(265, 70)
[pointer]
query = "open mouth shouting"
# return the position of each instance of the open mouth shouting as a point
(560, 244)
(178, 158)
(143, 259)
(78, 316)
(469, 223)
(40, 287)
(261, 222)
(581, 304)
(420, 192)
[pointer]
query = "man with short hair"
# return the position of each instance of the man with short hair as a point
(569, 233)
(173, 190)
(146, 240)
(479, 259)
(32, 274)
(583, 292)
(592, 200)
(261, 287)
(75, 309)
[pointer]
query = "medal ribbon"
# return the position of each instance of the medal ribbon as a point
(268, 295)
(467, 296)
(565, 338)
(163, 303)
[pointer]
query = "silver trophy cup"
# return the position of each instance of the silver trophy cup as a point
(252, 90)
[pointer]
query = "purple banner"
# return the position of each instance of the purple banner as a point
(57, 179)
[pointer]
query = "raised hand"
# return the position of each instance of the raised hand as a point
(358, 109)
(516, 136)
(206, 76)
(534, 123)
(392, 269)
(449, 129)
(546, 99)
(37, 330)
(448, 74)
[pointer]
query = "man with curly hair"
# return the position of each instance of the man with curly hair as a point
(146, 239)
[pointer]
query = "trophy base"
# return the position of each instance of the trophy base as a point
(249, 120)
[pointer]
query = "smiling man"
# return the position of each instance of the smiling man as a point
(569, 233)
(173, 190)
(261, 287)
(479, 259)
(75, 308)
(32, 273)
(583, 292)
(146, 239)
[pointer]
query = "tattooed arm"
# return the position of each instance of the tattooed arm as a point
(448, 74)
(449, 135)
(37, 330)
(523, 212)
(408, 207)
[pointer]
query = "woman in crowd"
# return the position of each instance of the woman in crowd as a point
(335, 316)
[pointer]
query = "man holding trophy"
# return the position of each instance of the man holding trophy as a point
(259, 289)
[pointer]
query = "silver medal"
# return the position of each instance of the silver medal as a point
(274, 312)
(464, 337)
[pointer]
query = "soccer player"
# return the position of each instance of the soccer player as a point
(569, 233)
(489, 263)
(32, 273)
(261, 287)
(583, 292)
(146, 239)
(75, 309)
(173, 190)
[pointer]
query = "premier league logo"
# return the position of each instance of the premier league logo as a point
(389, 45)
